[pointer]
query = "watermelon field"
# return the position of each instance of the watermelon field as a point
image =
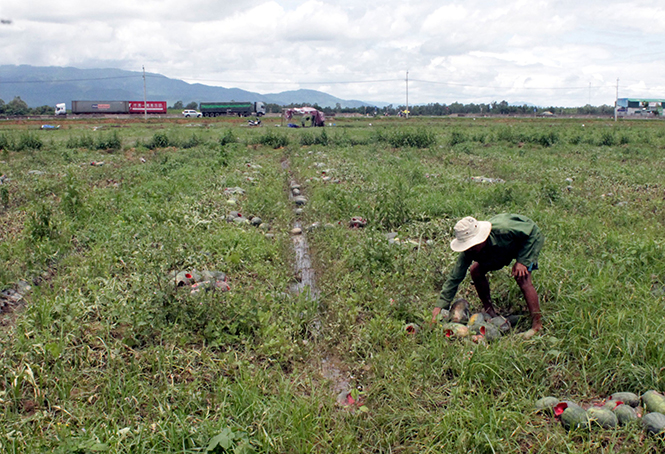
(165, 289)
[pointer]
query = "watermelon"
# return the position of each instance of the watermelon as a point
(501, 323)
(455, 330)
(546, 404)
(514, 320)
(654, 422)
(625, 414)
(653, 401)
(630, 399)
(411, 328)
(479, 317)
(459, 311)
(574, 417)
(602, 417)
(487, 330)
(612, 404)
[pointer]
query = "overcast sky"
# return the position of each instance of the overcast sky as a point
(544, 52)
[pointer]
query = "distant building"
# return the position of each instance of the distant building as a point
(640, 106)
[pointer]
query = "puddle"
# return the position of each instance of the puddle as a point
(306, 285)
(303, 264)
(341, 385)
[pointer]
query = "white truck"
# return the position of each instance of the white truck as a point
(61, 109)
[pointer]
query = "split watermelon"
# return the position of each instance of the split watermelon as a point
(630, 399)
(574, 417)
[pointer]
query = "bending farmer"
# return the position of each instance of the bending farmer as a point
(491, 245)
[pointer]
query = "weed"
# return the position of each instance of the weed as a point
(40, 223)
(607, 139)
(393, 205)
(29, 141)
(159, 140)
(72, 202)
(418, 138)
(227, 138)
(6, 143)
(273, 139)
(457, 137)
(193, 141)
(82, 141)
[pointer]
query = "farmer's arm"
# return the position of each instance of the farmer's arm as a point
(449, 289)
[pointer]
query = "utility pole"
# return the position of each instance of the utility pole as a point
(616, 102)
(407, 94)
(145, 99)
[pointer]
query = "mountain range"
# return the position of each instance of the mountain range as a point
(49, 85)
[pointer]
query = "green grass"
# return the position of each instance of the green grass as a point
(107, 355)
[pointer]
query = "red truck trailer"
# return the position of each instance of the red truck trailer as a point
(152, 107)
(117, 107)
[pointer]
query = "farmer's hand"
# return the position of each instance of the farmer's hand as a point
(519, 270)
(435, 313)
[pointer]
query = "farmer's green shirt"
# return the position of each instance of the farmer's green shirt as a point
(512, 237)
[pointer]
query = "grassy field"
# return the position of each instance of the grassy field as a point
(106, 354)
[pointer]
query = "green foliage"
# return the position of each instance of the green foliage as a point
(607, 139)
(393, 205)
(4, 197)
(109, 142)
(17, 107)
(82, 141)
(457, 137)
(228, 441)
(29, 141)
(159, 140)
(40, 224)
(548, 139)
(416, 138)
(228, 137)
(308, 138)
(193, 141)
(72, 202)
(6, 142)
(273, 139)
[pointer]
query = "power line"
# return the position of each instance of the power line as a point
(499, 86)
(58, 81)
(262, 82)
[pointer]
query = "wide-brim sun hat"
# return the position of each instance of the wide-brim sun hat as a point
(470, 232)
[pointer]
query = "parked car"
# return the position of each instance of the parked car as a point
(191, 113)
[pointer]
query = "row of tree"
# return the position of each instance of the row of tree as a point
(456, 108)
(17, 107)
(179, 105)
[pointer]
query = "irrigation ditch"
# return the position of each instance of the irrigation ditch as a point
(329, 366)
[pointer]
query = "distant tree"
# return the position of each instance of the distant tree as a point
(42, 110)
(192, 106)
(2, 106)
(178, 105)
(17, 107)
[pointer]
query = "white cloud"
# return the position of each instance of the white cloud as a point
(539, 51)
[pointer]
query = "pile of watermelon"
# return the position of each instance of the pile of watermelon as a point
(620, 409)
(480, 327)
